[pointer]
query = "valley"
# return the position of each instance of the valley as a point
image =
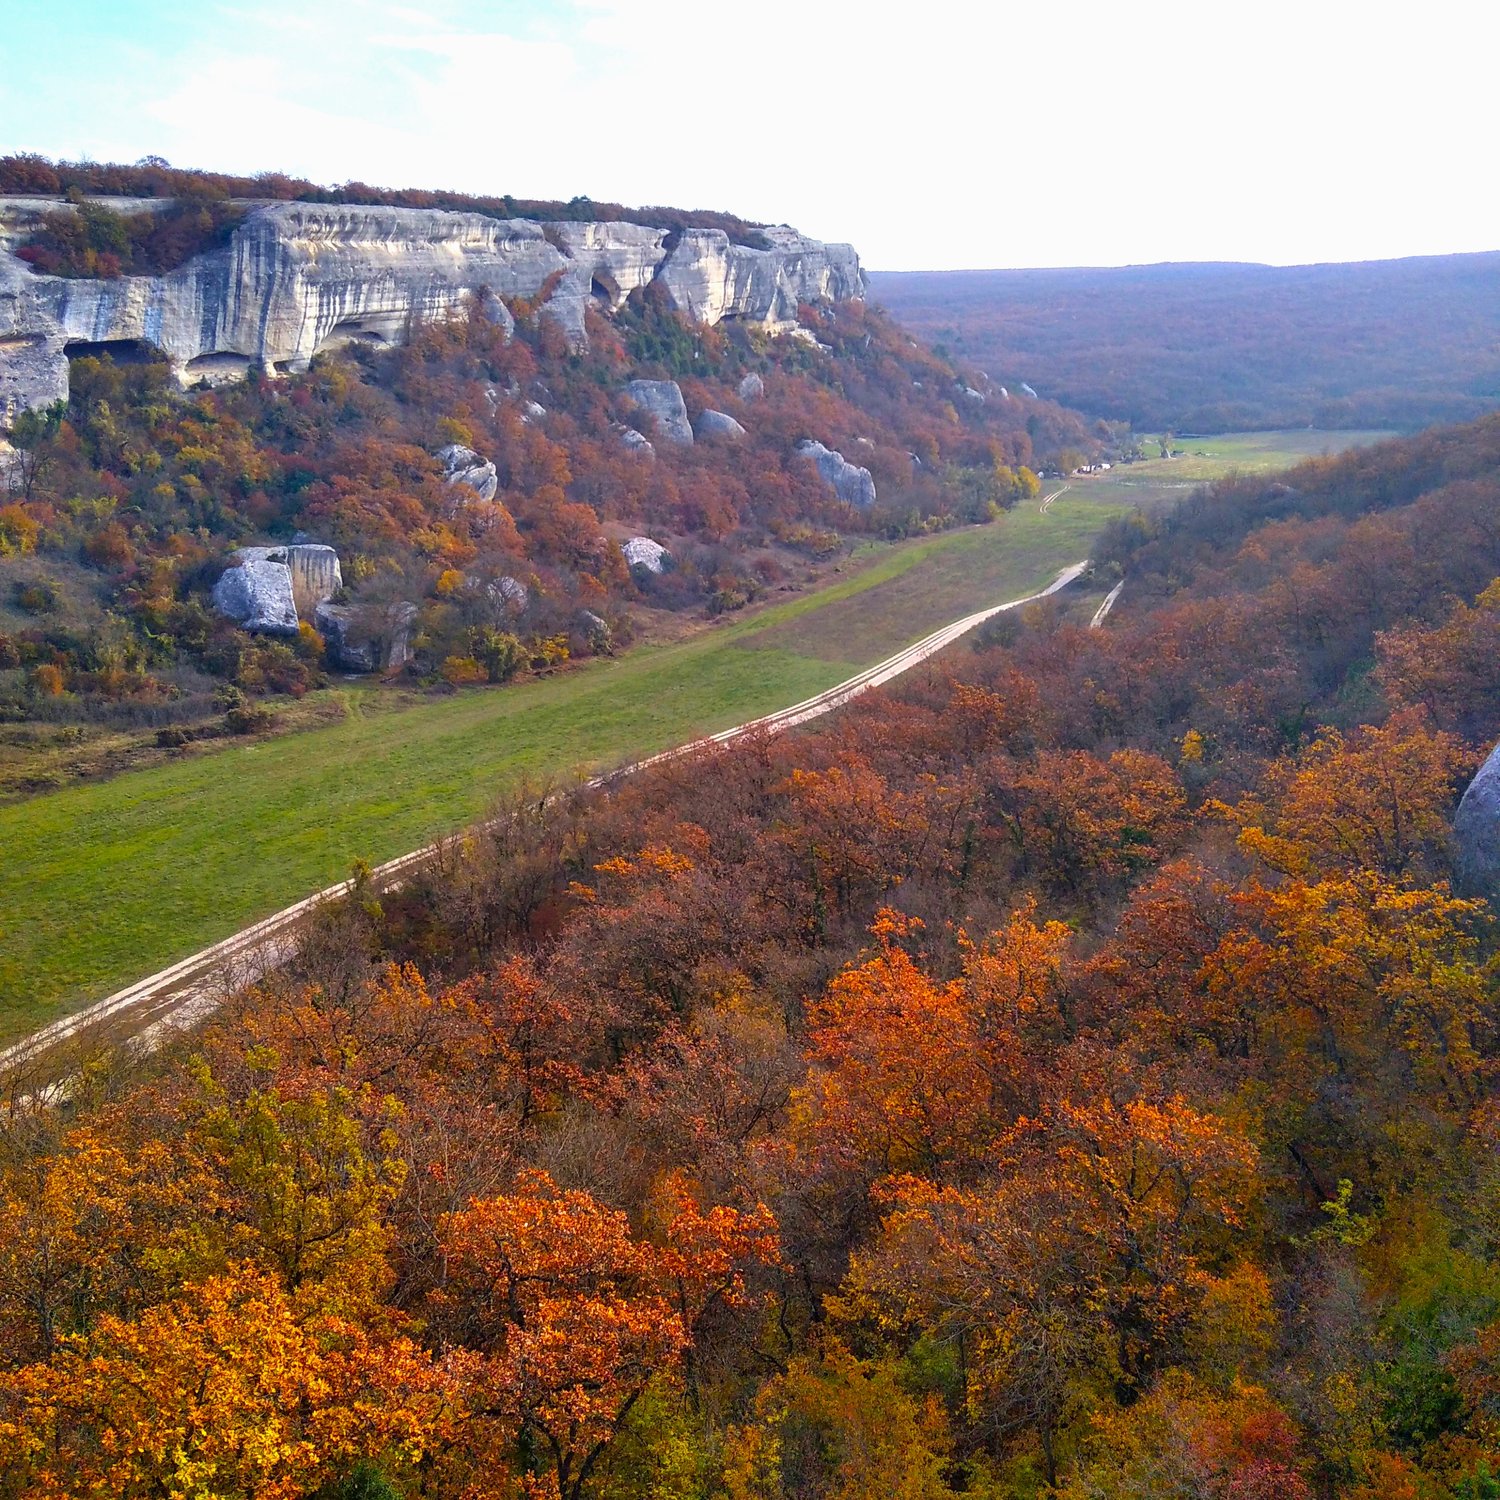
(635, 865)
(179, 855)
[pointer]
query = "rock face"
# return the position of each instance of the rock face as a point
(464, 466)
(643, 552)
(316, 576)
(662, 401)
(367, 640)
(348, 648)
(298, 278)
(718, 424)
(637, 442)
(752, 387)
(257, 593)
(1476, 831)
(850, 482)
(710, 279)
(269, 589)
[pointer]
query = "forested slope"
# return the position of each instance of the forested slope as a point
(119, 509)
(1221, 348)
(1069, 1074)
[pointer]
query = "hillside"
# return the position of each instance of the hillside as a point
(1217, 348)
(1069, 1074)
(459, 448)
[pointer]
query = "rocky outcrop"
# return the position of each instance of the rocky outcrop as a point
(710, 279)
(272, 589)
(717, 424)
(643, 552)
(349, 648)
(256, 593)
(637, 442)
(850, 482)
(464, 466)
(299, 278)
(316, 576)
(752, 387)
(595, 630)
(369, 638)
(1476, 831)
(662, 401)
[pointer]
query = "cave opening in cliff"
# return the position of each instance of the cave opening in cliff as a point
(121, 351)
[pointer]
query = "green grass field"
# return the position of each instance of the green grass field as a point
(1253, 452)
(1158, 483)
(105, 882)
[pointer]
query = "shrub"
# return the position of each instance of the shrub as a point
(248, 720)
(462, 671)
(37, 598)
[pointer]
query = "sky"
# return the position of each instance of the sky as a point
(932, 135)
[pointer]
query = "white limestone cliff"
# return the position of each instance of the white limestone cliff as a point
(299, 278)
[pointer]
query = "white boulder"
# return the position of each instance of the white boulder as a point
(851, 482)
(464, 466)
(256, 593)
(718, 424)
(662, 401)
(643, 552)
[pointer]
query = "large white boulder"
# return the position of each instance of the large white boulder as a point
(662, 401)
(850, 482)
(256, 593)
(643, 552)
(269, 589)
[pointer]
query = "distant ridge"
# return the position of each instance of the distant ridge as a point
(1225, 346)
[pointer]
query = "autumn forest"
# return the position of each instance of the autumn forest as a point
(1067, 1072)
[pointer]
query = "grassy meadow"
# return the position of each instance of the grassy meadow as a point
(1157, 483)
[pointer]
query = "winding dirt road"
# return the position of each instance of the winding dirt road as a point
(1109, 604)
(143, 1014)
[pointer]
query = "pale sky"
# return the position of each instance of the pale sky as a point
(933, 135)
